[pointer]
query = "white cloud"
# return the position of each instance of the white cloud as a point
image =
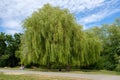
(24, 8)
(106, 10)
(79, 5)
(97, 16)
(12, 12)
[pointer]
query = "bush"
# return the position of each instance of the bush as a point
(117, 68)
(104, 63)
(3, 60)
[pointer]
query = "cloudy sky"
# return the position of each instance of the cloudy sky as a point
(88, 13)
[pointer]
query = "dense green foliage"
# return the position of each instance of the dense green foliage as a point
(8, 46)
(109, 36)
(53, 38)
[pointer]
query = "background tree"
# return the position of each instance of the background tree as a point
(109, 35)
(8, 46)
(3, 45)
(114, 36)
(13, 43)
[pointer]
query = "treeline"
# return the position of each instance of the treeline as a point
(53, 39)
(109, 35)
(9, 44)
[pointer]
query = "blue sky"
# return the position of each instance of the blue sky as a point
(88, 13)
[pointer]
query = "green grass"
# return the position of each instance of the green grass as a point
(15, 77)
(34, 77)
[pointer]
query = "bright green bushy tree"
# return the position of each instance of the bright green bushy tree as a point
(52, 37)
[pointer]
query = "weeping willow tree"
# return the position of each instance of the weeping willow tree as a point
(91, 48)
(52, 36)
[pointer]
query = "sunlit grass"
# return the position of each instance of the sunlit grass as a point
(34, 77)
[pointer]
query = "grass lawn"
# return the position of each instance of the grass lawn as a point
(34, 77)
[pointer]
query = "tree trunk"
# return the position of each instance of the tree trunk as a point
(49, 66)
(68, 68)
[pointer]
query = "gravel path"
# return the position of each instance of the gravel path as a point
(73, 75)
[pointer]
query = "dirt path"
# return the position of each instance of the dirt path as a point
(73, 75)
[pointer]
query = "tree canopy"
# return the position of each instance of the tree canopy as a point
(52, 36)
(9, 44)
